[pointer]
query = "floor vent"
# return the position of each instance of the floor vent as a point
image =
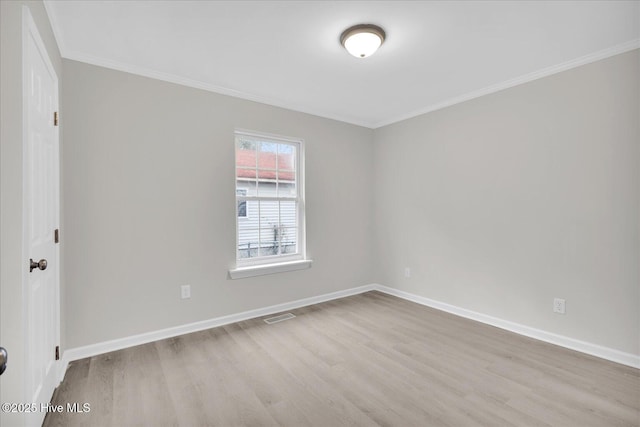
(280, 318)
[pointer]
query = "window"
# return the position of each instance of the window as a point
(269, 200)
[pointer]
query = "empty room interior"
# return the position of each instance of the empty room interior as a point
(320, 213)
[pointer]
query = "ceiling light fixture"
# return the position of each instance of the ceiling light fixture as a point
(362, 40)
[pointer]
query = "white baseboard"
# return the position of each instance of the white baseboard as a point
(104, 347)
(563, 341)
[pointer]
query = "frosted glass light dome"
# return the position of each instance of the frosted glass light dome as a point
(362, 40)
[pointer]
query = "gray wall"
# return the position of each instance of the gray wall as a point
(11, 262)
(504, 202)
(150, 204)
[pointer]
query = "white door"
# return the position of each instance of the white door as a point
(41, 212)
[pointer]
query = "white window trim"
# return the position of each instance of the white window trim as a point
(260, 270)
(276, 264)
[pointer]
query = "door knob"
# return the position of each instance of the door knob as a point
(3, 360)
(42, 264)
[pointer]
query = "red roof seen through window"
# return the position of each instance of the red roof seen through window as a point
(246, 165)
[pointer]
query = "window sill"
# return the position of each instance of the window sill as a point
(259, 270)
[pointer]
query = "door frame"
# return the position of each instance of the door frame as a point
(30, 31)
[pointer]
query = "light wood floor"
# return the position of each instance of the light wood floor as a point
(367, 360)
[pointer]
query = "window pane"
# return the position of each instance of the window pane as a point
(268, 147)
(269, 240)
(286, 171)
(267, 155)
(269, 214)
(286, 188)
(245, 153)
(267, 188)
(286, 157)
(288, 240)
(267, 169)
(245, 143)
(246, 178)
(245, 174)
(247, 243)
(288, 213)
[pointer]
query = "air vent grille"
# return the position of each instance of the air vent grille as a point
(279, 318)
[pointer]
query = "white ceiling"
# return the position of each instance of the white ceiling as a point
(287, 53)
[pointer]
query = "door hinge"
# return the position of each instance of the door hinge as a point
(55, 118)
(56, 236)
(57, 352)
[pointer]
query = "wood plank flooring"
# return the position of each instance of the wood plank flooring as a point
(366, 360)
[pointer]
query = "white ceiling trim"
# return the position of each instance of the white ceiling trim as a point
(596, 56)
(545, 72)
(171, 78)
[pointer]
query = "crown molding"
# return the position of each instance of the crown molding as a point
(172, 78)
(196, 84)
(545, 72)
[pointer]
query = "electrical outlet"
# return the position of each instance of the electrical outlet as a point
(185, 291)
(559, 305)
(407, 272)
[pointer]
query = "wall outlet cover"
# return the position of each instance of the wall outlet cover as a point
(185, 291)
(559, 305)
